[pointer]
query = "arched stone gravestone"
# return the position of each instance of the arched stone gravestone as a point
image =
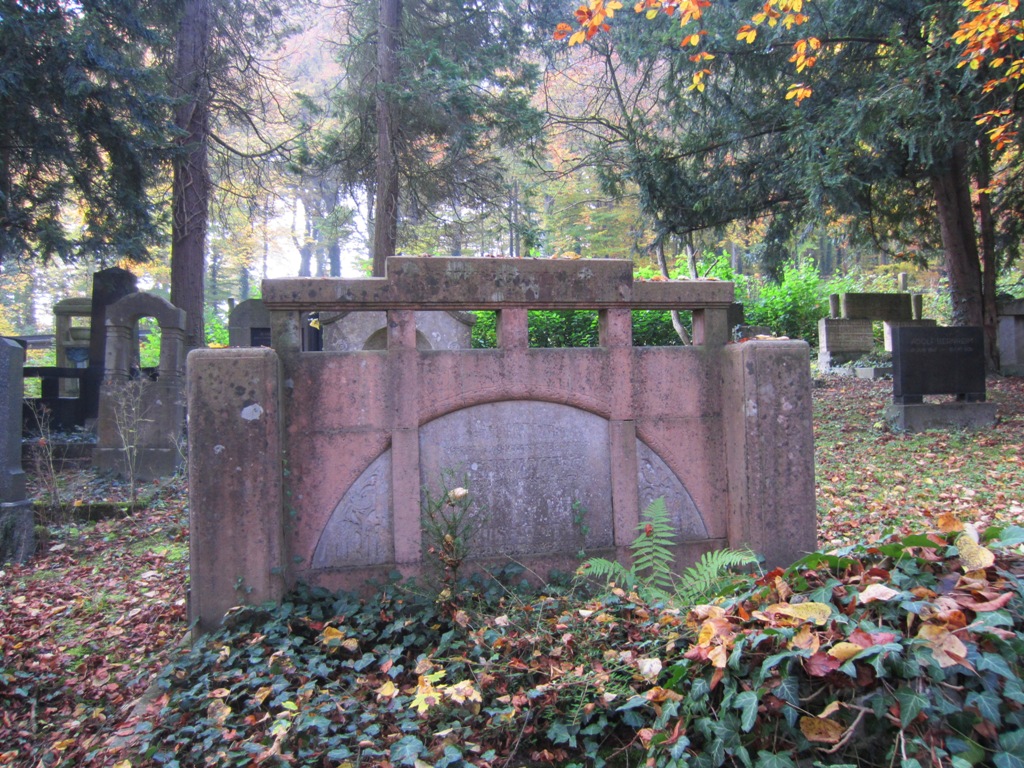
(141, 420)
(355, 331)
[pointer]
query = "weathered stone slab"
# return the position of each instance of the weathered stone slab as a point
(236, 500)
(360, 531)
(140, 422)
(889, 327)
(842, 341)
(12, 476)
(526, 465)
(462, 284)
(876, 306)
(16, 531)
(938, 361)
(355, 331)
(249, 324)
(919, 417)
(531, 468)
(1010, 337)
(770, 449)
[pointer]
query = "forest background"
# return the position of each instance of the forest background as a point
(815, 146)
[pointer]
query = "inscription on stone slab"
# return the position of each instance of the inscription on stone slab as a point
(938, 361)
(526, 465)
(531, 468)
(359, 531)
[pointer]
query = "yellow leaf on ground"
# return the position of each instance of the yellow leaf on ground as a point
(831, 709)
(844, 651)
(387, 691)
(331, 633)
(818, 613)
(649, 668)
(973, 556)
(821, 730)
(806, 639)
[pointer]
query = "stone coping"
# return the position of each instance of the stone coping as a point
(476, 283)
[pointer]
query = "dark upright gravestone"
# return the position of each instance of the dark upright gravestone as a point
(938, 361)
(108, 285)
(16, 532)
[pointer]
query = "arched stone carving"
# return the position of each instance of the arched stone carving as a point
(141, 421)
(531, 467)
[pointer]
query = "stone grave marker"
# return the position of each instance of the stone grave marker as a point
(939, 361)
(16, 532)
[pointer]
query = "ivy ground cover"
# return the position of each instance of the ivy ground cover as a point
(897, 647)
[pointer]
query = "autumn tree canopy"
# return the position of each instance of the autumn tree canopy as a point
(884, 126)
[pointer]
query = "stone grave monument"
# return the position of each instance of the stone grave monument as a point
(847, 333)
(249, 324)
(141, 420)
(312, 465)
(939, 361)
(1011, 337)
(16, 524)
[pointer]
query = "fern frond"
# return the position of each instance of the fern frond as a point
(710, 575)
(652, 553)
(609, 570)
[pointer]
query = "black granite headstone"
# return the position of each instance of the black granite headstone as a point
(259, 337)
(938, 361)
(108, 285)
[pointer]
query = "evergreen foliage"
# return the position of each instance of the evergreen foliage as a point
(83, 126)
(463, 97)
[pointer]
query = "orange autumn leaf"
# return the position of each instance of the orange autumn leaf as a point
(948, 523)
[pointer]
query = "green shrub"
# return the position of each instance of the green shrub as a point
(793, 307)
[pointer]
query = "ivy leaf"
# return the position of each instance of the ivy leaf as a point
(747, 703)
(766, 759)
(911, 703)
(991, 662)
(558, 733)
(1007, 760)
(987, 704)
(406, 750)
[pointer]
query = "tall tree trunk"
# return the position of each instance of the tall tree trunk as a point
(385, 231)
(989, 260)
(959, 241)
(191, 184)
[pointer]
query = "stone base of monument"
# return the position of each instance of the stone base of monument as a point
(918, 417)
(17, 534)
(873, 372)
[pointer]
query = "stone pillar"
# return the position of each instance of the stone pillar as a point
(616, 335)
(16, 532)
(236, 501)
(403, 393)
(770, 449)
(834, 310)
